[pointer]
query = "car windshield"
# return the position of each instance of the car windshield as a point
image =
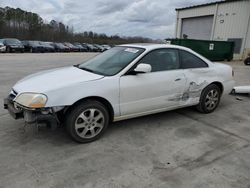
(13, 42)
(112, 61)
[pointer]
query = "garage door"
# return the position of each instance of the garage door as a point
(197, 28)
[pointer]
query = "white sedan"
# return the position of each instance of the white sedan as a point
(124, 82)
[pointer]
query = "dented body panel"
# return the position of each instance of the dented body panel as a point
(129, 95)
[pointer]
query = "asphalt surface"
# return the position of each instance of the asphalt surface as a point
(176, 149)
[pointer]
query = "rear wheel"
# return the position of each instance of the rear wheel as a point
(210, 99)
(87, 121)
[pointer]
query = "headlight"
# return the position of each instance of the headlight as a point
(31, 100)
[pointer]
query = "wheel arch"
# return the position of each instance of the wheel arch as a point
(219, 84)
(102, 100)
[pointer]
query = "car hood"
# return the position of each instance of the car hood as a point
(53, 79)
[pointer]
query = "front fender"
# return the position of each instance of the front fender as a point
(107, 88)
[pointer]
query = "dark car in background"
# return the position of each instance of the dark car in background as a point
(99, 48)
(72, 47)
(106, 46)
(47, 47)
(32, 46)
(92, 48)
(85, 45)
(13, 45)
(60, 47)
(82, 47)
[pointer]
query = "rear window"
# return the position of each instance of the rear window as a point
(189, 61)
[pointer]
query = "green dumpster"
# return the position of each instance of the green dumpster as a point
(212, 50)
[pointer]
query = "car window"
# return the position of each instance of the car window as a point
(112, 61)
(162, 60)
(189, 60)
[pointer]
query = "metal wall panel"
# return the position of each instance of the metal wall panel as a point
(230, 21)
(197, 28)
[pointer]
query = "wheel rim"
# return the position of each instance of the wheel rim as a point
(89, 123)
(212, 99)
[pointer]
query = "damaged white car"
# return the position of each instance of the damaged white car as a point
(124, 82)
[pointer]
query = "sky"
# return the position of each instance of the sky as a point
(147, 18)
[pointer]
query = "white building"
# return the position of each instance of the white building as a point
(222, 20)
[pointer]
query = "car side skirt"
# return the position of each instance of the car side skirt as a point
(130, 116)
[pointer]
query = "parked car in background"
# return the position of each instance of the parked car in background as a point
(91, 48)
(60, 47)
(47, 46)
(106, 47)
(99, 48)
(85, 45)
(72, 47)
(13, 45)
(125, 82)
(32, 46)
(81, 48)
(2, 46)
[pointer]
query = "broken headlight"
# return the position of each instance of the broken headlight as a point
(31, 100)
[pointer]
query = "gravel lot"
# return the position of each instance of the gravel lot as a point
(176, 149)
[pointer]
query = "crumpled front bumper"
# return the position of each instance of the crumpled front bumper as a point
(30, 116)
(13, 111)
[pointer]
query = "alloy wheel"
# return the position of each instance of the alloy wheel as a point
(89, 123)
(212, 99)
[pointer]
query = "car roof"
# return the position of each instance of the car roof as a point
(151, 46)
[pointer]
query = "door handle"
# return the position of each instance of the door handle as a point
(177, 79)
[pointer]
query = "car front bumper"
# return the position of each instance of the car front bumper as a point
(13, 111)
(29, 115)
(2, 48)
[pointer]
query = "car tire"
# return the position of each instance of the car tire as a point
(87, 121)
(210, 99)
(247, 61)
(8, 49)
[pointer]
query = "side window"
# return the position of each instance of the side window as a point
(189, 61)
(162, 60)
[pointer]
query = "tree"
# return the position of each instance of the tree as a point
(30, 26)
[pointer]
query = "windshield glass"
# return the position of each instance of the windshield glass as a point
(13, 42)
(112, 61)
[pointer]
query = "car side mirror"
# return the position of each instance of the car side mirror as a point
(143, 68)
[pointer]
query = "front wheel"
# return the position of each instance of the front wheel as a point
(210, 99)
(87, 121)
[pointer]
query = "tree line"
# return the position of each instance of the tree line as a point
(17, 23)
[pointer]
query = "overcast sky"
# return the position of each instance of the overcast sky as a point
(147, 18)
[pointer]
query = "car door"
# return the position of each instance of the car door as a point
(197, 73)
(159, 89)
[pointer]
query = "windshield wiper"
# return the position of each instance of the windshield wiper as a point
(86, 69)
(89, 70)
(83, 68)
